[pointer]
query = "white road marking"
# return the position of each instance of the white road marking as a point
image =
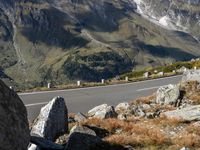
(36, 104)
(150, 88)
(124, 84)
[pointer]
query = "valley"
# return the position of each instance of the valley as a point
(64, 41)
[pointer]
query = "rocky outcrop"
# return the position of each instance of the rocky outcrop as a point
(190, 113)
(191, 75)
(173, 15)
(14, 129)
(103, 111)
(167, 94)
(52, 120)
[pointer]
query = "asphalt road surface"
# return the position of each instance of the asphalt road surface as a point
(84, 99)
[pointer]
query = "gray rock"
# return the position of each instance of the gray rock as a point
(191, 75)
(82, 141)
(103, 111)
(99, 131)
(138, 111)
(190, 113)
(82, 129)
(33, 147)
(168, 94)
(122, 117)
(14, 128)
(39, 143)
(152, 115)
(145, 106)
(79, 117)
(52, 120)
(122, 107)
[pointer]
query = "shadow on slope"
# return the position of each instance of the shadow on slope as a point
(49, 26)
(162, 51)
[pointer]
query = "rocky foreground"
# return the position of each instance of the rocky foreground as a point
(168, 119)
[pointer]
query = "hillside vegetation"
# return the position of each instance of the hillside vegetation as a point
(61, 41)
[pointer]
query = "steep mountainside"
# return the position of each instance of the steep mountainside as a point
(64, 40)
(182, 15)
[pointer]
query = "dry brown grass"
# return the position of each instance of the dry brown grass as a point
(194, 98)
(190, 86)
(163, 121)
(124, 140)
(161, 107)
(149, 132)
(193, 129)
(144, 100)
(140, 136)
(191, 92)
(132, 133)
(109, 124)
(187, 139)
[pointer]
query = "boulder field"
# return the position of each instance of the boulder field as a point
(103, 125)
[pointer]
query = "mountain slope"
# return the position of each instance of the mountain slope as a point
(65, 40)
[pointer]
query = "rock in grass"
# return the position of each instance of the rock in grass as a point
(191, 75)
(52, 120)
(82, 129)
(190, 113)
(168, 94)
(79, 117)
(103, 112)
(14, 128)
(122, 107)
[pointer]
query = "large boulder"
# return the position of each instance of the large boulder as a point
(103, 112)
(82, 141)
(190, 113)
(168, 94)
(191, 75)
(14, 128)
(52, 120)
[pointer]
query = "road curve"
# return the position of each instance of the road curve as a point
(83, 99)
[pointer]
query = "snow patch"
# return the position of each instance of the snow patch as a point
(164, 21)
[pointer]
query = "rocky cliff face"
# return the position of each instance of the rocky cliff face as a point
(182, 15)
(58, 41)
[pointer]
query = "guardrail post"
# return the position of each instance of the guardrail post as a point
(11, 87)
(49, 85)
(78, 83)
(195, 68)
(102, 81)
(126, 79)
